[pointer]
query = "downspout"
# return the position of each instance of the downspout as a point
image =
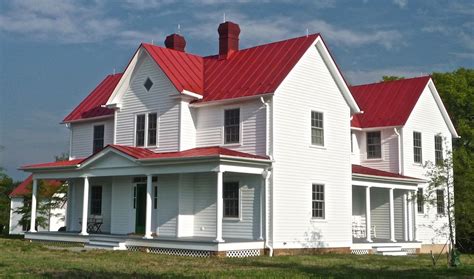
(269, 153)
(400, 153)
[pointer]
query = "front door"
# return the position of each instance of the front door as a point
(140, 209)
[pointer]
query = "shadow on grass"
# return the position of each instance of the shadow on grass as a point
(80, 273)
(353, 271)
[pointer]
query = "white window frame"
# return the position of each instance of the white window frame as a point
(367, 146)
(239, 217)
(324, 201)
(239, 143)
(438, 136)
(421, 147)
(422, 201)
(93, 128)
(311, 128)
(146, 129)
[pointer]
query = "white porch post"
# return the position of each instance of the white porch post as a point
(33, 205)
(415, 213)
(149, 187)
(368, 221)
(410, 216)
(405, 217)
(392, 216)
(263, 186)
(85, 206)
(219, 207)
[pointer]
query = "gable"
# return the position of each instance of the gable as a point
(110, 159)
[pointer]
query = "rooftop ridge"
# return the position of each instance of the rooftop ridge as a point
(391, 81)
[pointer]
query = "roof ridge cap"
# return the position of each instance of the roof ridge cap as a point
(390, 81)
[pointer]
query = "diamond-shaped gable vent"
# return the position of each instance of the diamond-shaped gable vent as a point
(148, 84)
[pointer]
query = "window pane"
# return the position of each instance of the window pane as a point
(96, 200)
(420, 200)
(318, 201)
(98, 138)
(417, 147)
(439, 150)
(152, 126)
(440, 201)
(140, 130)
(231, 199)
(232, 126)
(317, 129)
(374, 149)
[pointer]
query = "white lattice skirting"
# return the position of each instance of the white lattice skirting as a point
(243, 253)
(360, 251)
(172, 252)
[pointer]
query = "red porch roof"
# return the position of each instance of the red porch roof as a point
(358, 169)
(25, 187)
(387, 103)
(146, 154)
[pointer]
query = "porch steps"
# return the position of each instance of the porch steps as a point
(389, 250)
(105, 243)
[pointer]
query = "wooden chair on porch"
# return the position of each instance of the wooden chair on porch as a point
(359, 228)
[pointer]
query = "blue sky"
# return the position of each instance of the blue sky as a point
(53, 53)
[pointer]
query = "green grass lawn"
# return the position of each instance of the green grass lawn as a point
(19, 258)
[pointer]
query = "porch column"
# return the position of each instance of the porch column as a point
(410, 216)
(33, 205)
(405, 217)
(85, 206)
(149, 188)
(415, 213)
(263, 187)
(219, 207)
(392, 216)
(368, 221)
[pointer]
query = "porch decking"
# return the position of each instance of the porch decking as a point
(205, 245)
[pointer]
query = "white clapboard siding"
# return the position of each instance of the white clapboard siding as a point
(187, 133)
(389, 146)
(123, 214)
(356, 141)
(310, 86)
(168, 204)
(210, 122)
(186, 205)
(380, 211)
(205, 204)
(248, 226)
(160, 99)
(106, 184)
(427, 119)
(82, 134)
(398, 214)
(15, 227)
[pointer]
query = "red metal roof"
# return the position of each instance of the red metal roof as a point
(25, 187)
(143, 154)
(248, 72)
(91, 106)
(374, 172)
(387, 103)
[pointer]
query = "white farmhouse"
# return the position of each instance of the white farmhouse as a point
(265, 149)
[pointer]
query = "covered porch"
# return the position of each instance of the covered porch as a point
(383, 211)
(209, 203)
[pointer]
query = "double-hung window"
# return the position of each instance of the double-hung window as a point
(420, 201)
(440, 201)
(231, 199)
(146, 129)
(231, 126)
(96, 200)
(317, 128)
(318, 201)
(417, 147)
(98, 138)
(374, 145)
(438, 150)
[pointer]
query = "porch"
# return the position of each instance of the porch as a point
(211, 204)
(182, 246)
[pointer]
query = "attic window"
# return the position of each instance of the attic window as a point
(148, 84)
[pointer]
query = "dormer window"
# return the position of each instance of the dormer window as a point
(148, 84)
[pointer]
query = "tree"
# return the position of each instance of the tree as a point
(391, 78)
(440, 178)
(6, 186)
(457, 92)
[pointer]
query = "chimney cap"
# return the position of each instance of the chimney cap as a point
(176, 42)
(229, 29)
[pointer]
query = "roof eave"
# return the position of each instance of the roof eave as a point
(388, 178)
(88, 119)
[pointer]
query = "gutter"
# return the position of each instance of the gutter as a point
(389, 179)
(226, 101)
(400, 147)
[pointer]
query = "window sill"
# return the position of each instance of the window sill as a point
(318, 220)
(232, 219)
(322, 147)
(374, 159)
(232, 144)
(417, 164)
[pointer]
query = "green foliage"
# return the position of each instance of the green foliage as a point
(391, 78)
(457, 91)
(6, 186)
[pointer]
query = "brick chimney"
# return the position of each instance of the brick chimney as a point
(176, 42)
(228, 38)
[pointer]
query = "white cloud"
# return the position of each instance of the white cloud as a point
(400, 3)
